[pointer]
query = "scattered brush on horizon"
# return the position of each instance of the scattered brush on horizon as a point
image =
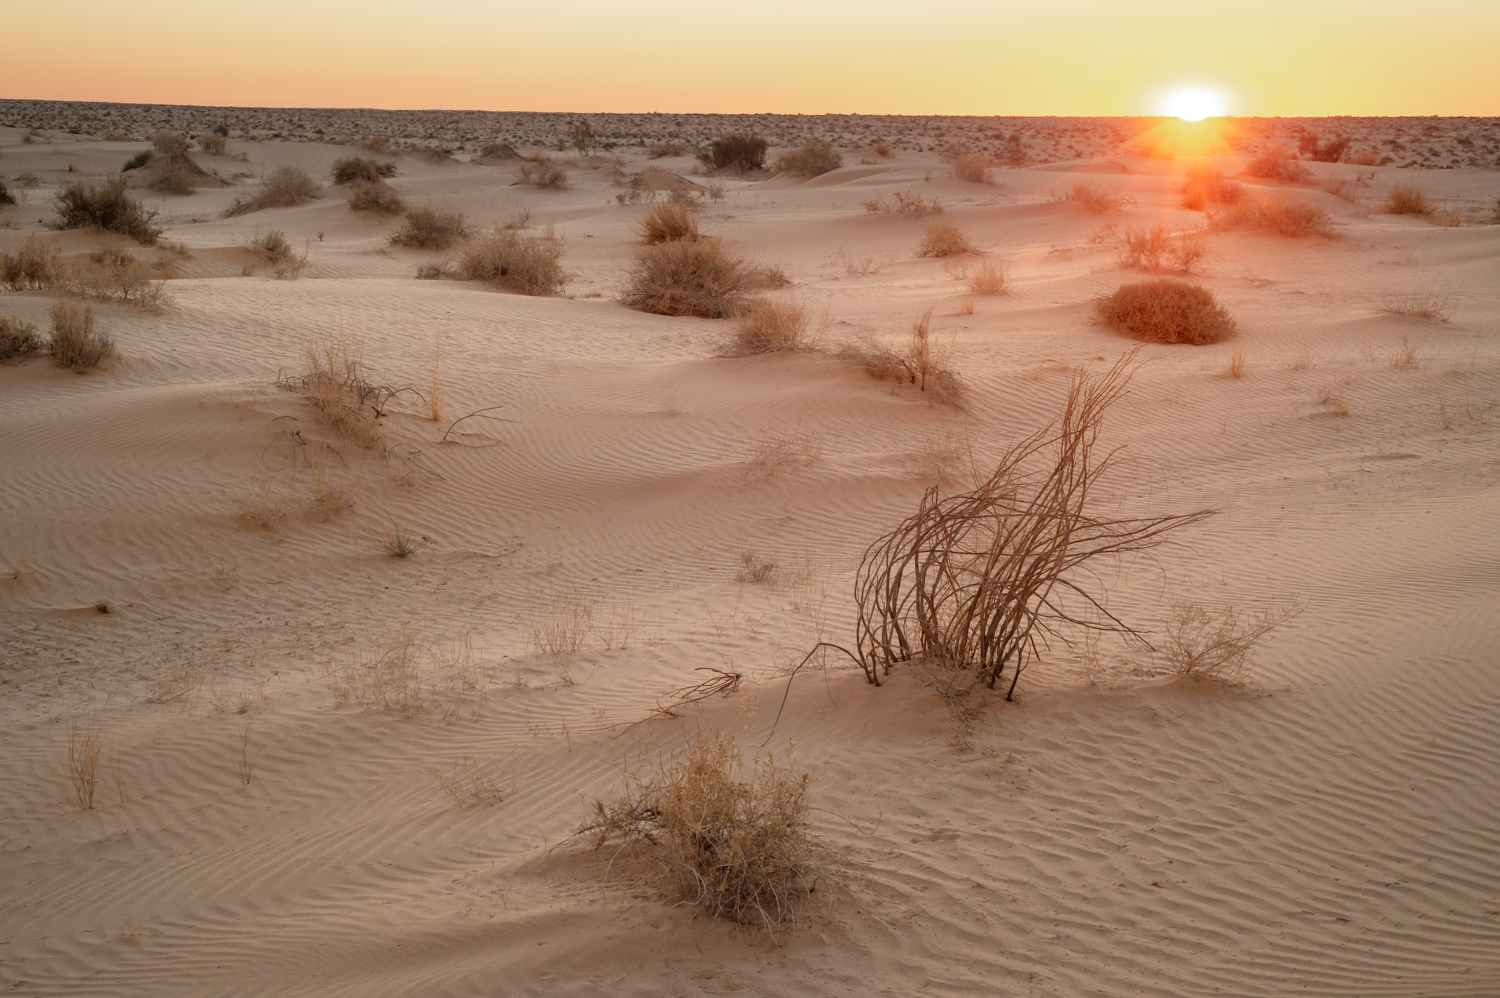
(942, 239)
(974, 167)
(976, 585)
(1283, 216)
(76, 342)
(738, 152)
(1277, 163)
(669, 222)
(773, 327)
(511, 260)
(1206, 185)
(106, 208)
(1407, 199)
(428, 228)
(919, 363)
(540, 171)
(737, 849)
(689, 277)
(1097, 200)
(1166, 310)
(812, 160)
(287, 187)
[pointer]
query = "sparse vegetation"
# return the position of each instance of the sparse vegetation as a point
(376, 196)
(212, 143)
(882, 149)
(287, 187)
(989, 278)
(172, 170)
(273, 247)
(352, 169)
(660, 150)
(1096, 199)
(1277, 163)
(1283, 216)
(75, 341)
(399, 542)
(738, 151)
(689, 277)
(812, 160)
(527, 264)
(107, 208)
(668, 222)
(974, 167)
(1407, 199)
(906, 203)
(6, 197)
(1427, 304)
(428, 228)
(111, 275)
(467, 785)
(17, 339)
(399, 671)
(1202, 644)
(540, 171)
(1206, 185)
(771, 327)
(32, 267)
(1159, 247)
(940, 239)
(739, 849)
(920, 363)
(84, 747)
(1166, 310)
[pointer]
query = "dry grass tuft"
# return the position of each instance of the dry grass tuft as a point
(427, 228)
(668, 222)
(689, 277)
(106, 208)
(771, 327)
(212, 143)
(352, 169)
(17, 339)
(1273, 214)
(84, 747)
(540, 171)
(738, 151)
(1166, 311)
(754, 568)
(1097, 199)
(527, 264)
(1277, 163)
(739, 849)
(467, 785)
(882, 149)
(989, 278)
(285, 188)
(376, 196)
(33, 267)
(974, 167)
(1206, 185)
(402, 673)
(812, 160)
(906, 203)
(272, 247)
(940, 239)
(920, 364)
(1202, 644)
(1407, 199)
(1158, 248)
(1428, 304)
(660, 150)
(398, 542)
(976, 584)
(264, 508)
(1236, 368)
(334, 385)
(772, 453)
(75, 342)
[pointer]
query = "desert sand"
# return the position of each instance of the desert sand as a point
(1328, 826)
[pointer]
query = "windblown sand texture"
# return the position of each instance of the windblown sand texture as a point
(1331, 827)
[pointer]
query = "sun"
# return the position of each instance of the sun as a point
(1193, 103)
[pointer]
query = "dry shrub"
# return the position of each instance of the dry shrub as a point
(376, 196)
(689, 277)
(882, 149)
(978, 583)
(1428, 304)
(107, 208)
(212, 143)
(33, 267)
(1202, 644)
(941, 239)
(264, 507)
(110, 275)
(737, 151)
(75, 342)
(771, 327)
(402, 673)
(1448, 218)
(973, 167)
(772, 453)
(17, 339)
(6, 197)
(668, 222)
(739, 849)
(1277, 163)
(539, 171)
(659, 150)
(498, 150)
(920, 363)
(335, 386)
(139, 160)
(989, 278)
(285, 262)
(351, 169)
(812, 160)
(1407, 199)
(173, 170)
(1166, 311)
(1236, 368)
(515, 261)
(285, 188)
(1273, 214)
(1206, 185)
(1158, 247)
(1329, 151)
(84, 748)
(754, 568)
(467, 785)
(427, 228)
(1363, 157)
(1097, 199)
(906, 203)
(330, 493)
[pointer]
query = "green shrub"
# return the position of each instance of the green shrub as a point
(107, 208)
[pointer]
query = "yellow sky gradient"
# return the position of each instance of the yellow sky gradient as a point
(1075, 57)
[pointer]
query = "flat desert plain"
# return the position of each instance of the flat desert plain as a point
(325, 768)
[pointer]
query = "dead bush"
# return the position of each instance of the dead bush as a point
(173, 170)
(1166, 311)
(905, 203)
(110, 275)
(739, 849)
(352, 169)
(920, 363)
(668, 222)
(539, 171)
(974, 167)
(882, 149)
(771, 327)
(335, 386)
(989, 278)
(377, 196)
(511, 260)
(6, 197)
(285, 188)
(498, 150)
(1283, 216)
(1277, 163)
(1203, 644)
(17, 339)
(75, 342)
(739, 152)
(943, 239)
(1206, 185)
(1320, 151)
(812, 160)
(1407, 199)
(977, 584)
(107, 208)
(1159, 248)
(660, 150)
(212, 143)
(1097, 199)
(689, 277)
(33, 267)
(273, 247)
(427, 228)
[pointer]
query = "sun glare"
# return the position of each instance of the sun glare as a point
(1193, 103)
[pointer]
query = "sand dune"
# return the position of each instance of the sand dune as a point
(1330, 827)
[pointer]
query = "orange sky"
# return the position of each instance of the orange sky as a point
(1071, 57)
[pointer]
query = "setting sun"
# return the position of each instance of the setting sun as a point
(1194, 103)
